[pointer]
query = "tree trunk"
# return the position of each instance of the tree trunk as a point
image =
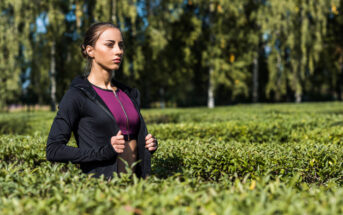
(298, 97)
(162, 102)
(277, 96)
(255, 80)
(148, 59)
(210, 99)
(339, 82)
(78, 14)
(298, 90)
(113, 12)
(53, 77)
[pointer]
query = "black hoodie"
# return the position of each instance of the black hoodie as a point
(83, 112)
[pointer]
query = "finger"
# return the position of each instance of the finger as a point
(120, 137)
(149, 141)
(119, 151)
(120, 142)
(117, 142)
(148, 136)
(120, 147)
(152, 148)
(150, 145)
(113, 139)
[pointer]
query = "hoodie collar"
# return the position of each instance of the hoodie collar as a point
(81, 82)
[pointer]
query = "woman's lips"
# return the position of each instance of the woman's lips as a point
(116, 60)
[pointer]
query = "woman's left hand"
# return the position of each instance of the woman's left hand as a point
(150, 142)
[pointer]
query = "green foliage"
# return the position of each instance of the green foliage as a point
(16, 17)
(296, 32)
(178, 52)
(260, 159)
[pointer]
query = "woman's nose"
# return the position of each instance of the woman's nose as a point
(117, 49)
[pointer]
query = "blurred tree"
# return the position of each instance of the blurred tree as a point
(161, 53)
(54, 21)
(231, 40)
(184, 52)
(254, 35)
(15, 27)
(295, 31)
(329, 76)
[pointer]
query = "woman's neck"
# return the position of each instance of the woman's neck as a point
(100, 77)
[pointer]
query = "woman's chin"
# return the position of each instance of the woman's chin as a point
(115, 67)
(112, 67)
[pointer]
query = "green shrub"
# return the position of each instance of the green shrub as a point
(245, 159)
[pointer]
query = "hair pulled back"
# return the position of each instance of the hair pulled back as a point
(90, 38)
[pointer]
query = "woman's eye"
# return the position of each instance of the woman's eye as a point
(109, 45)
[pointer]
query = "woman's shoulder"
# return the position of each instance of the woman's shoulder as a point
(76, 86)
(72, 98)
(135, 93)
(73, 93)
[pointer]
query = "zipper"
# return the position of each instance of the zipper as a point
(98, 103)
(127, 119)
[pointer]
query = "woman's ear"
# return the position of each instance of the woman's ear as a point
(90, 50)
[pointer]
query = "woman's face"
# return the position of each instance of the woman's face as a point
(108, 50)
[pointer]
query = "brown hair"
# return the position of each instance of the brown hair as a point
(91, 36)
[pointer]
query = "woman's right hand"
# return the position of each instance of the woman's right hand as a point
(118, 142)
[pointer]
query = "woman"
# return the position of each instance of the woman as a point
(103, 114)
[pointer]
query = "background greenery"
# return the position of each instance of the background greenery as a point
(178, 52)
(243, 159)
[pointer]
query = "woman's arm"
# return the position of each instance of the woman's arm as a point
(67, 117)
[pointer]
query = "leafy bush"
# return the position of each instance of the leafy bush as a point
(257, 159)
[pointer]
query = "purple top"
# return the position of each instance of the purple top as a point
(113, 104)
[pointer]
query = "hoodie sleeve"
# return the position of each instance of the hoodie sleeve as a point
(69, 112)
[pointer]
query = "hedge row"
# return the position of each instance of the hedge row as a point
(210, 159)
(62, 189)
(260, 159)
